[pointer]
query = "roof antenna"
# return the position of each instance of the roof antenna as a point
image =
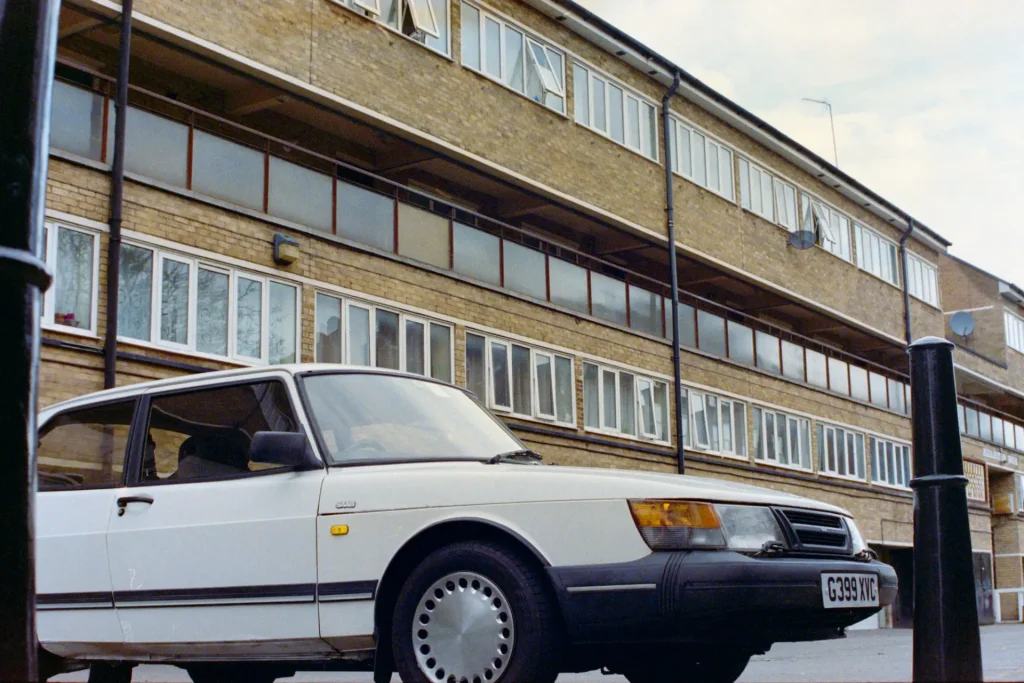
(835, 153)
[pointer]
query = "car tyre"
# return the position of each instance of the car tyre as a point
(478, 612)
(106, 672)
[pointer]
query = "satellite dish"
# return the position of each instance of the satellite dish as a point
(802, 239)
(962, 323)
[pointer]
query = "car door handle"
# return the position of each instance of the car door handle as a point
(124, 501)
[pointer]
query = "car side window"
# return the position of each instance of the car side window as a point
(207, 433)
(85, 448)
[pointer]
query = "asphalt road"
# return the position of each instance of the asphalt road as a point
(862, 656)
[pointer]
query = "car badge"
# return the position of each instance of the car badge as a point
(344, 505)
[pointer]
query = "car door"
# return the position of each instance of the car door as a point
(81, 461)
(212, 555)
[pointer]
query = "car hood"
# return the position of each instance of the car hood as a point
(447, 484)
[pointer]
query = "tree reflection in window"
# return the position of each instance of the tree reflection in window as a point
(74, 279)
(174, 301)
(135, 293)
(249, 318)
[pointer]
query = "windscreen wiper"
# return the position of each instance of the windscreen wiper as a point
(523, 456)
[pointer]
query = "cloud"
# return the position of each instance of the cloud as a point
(927, 97)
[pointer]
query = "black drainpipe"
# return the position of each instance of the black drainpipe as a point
(117, 199)
(906, 284)
(670, 222)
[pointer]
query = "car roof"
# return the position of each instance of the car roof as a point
(132, 390)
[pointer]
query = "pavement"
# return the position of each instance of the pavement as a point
(862, 656)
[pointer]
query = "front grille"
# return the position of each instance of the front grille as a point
(816, 532)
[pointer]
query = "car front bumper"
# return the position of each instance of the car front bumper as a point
(696, 596)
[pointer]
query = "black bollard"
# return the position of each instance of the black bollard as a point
(947, 641)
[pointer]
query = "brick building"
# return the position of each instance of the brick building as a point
(477, 190)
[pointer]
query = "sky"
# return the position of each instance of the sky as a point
(927, 95)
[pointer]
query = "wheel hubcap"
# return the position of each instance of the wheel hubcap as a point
(463, 630)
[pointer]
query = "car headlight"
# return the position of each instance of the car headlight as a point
(856, 537)
(749, 527)
(677, 524)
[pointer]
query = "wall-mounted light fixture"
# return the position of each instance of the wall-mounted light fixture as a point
(286, 250)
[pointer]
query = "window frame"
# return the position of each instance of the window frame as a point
(826, 214)
(51, 229)
(1014, 330)
(370, 9)
(535, 350)
(862, 234)
(925, 274)
(898, 447)
(694, 396)
(823, 468)
(627, 94)
(777, 182)
(638, 427)
(676, 124)
(763, 436)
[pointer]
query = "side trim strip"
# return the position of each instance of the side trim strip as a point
(101, 600)
(615, 587)
(302, 592)
(346, 591)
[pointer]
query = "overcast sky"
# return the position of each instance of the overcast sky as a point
(928, 96)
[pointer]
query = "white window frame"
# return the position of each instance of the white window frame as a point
(827, 222)
(693, 396)
(49, 303)
(1014, 331)
(869, 245)
(371, 9)
(922, 279)
(747, 171)
(802, 422)
(160, 255)
(884, 477)
(627, 94)
(1019, 490)
(617, 430)
(535, 351)
(551, 82)
(984, 481)
(830, 434)
(347, 303)
(677, 126)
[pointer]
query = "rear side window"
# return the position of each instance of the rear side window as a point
(207, 433)
(85, 448)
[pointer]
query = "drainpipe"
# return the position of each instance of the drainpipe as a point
(117, 198)
(670, 223)
(906, 284)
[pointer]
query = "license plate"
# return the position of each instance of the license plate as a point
(839, 591)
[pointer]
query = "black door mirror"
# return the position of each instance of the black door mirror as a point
(285, 449)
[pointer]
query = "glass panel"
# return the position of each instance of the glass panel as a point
(645, 311)
(174, 292)
(249, 318)
(423, 236)
(386, 337)
(758, 440)
(859, 444)
(545, 388)
(476, 366)
(685, 155)
(632, 123)
(513, 59)
(76, 121)
(282, 324)
(648, 403)
(608, 398)
(616, 124)
(711, 333)
(838, 376)
(492, 47)
(135, 293)
(212, 312)
(858, 383)
(816, 372)
(524, 270)
(581, 94)
(972, 421)
(726, 183)
(476, 254)
(650, 144)
(440, 42)
(985, 421)
(896, 395)
(699, 420)
(699, 170)
(794, 442)
(366, 217)
(687, 326)
(608, 298)
(154, 146)
(73, 290)
(769, 430)
(568, 285)
(300, 194)
(499, 375)
(566, 408)
(415, 347)
(227, 170)
(878, 395)
(471, 36)
(591, 405)
(745, 184)
(600, 116)
(85, 447)
(739, 421)
(328, 329)
(741, 343)
(768, 353)
(522, 389)
(627, 402)
(713, 177)
(793, 361)
(782, 439)
(767, 198)
(1018, 433)
(727, 427)
(358, 336)
(441, 352)
(661, 411)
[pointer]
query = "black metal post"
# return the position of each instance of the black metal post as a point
(673, 267)
(117, 198)
(28, 45)
(947, 641)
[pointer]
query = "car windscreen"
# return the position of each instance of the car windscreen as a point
(368, 417)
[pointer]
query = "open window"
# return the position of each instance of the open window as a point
(816, 220)
(420, 17)
(371, 6)
(541, 64)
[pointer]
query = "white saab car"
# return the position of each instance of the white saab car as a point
(249, 524)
